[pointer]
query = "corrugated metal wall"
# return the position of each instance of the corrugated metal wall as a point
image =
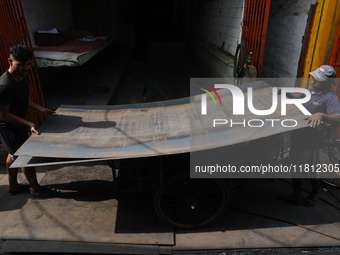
(335, 62)
(256, 15)
(13, 30)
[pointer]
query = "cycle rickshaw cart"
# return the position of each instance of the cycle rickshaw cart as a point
(94, 133)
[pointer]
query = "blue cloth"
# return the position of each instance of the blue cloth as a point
(325, 101)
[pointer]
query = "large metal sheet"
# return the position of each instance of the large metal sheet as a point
(93, 132)
(26, 161)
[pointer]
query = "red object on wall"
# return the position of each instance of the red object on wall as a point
(13, 30)
(335, 62)
(255, 23)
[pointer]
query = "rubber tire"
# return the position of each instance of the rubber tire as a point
(239, 61)
(332, 178)
(221, 191)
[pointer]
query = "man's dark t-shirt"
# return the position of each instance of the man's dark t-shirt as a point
(15, 94)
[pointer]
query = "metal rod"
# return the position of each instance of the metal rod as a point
(13, 30)
(263, 38)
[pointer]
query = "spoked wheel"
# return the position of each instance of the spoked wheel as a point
(240, 57)
(332, 175)
(334, 151)
(188, 203)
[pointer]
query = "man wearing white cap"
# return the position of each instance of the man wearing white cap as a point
(307, 143)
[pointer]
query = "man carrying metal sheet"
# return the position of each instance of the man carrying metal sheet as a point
(14, 103)
(307, 143)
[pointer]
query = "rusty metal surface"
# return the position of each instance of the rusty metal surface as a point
(160, 128)
(97, 132)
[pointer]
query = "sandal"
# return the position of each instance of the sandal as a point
(310, 201)
(21, 188)
(288, 199)
(45, 192)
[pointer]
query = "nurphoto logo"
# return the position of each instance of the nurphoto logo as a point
(239, 104)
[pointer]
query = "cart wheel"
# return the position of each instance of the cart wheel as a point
(190, 203)
(332, 176)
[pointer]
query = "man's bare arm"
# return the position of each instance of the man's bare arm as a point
(15, 120)
(289, 95)
(47, 112)
(293, 95)
(316, 118)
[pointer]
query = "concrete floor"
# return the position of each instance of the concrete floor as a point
(88, 222)
(69, 224)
